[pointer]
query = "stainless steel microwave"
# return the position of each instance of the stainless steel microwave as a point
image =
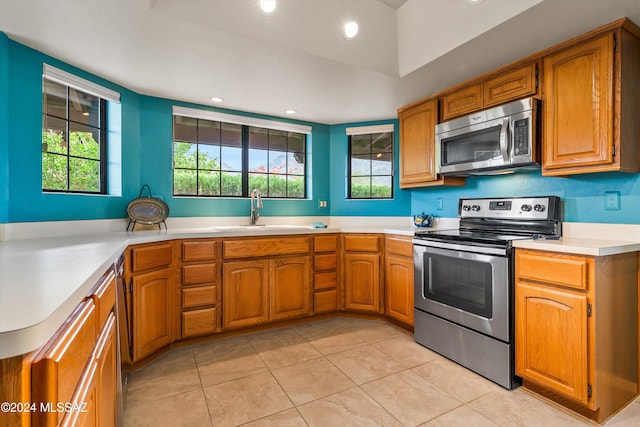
(492, 141)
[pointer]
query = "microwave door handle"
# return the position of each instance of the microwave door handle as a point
(504, 139)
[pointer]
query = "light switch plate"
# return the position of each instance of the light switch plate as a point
(612, 200)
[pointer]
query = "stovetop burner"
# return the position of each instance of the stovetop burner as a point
(500, 221)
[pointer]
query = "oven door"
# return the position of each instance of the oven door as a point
(467, 288)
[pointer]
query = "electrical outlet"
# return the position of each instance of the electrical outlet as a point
(439, 203)
(322, 204)
(612, 200)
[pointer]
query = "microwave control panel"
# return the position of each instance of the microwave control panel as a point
(521, 137)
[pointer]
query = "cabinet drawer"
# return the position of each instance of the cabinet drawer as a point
(104, 297)
(325, 262)
(572, 271)
(198, 251)
(325, 301)
(325, 280)
(58, 367)
(147, 257)
(199, 273)
(266, 247)
(202, 295)
(361, 242)
(400, 246)
(325, 243)
(198, 322)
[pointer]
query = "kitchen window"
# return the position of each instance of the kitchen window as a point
(221, 155)
(74, 129)
(370, 169)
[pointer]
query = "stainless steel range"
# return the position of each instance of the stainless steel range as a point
(464, 281)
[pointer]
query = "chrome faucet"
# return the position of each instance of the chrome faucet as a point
(255, 206)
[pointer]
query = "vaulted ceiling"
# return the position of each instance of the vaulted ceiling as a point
(297, 58)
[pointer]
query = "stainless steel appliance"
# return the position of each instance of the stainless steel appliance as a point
(491, 141)
(464, 281)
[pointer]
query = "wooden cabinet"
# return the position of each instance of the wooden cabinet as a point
(362, 272)
(200, 287)
(591, 96)
(497, 88)
(290, 287)
(398, 274)
(576, 329)
(245, 294)
(260, 284)
(151, 297)
(418, 157)
(77, 368)
(325, 277)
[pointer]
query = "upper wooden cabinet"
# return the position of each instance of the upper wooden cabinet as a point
(497, 88)
(418, 159)
(591, 96)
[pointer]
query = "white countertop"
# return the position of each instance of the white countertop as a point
(43, 280)
(580, 246)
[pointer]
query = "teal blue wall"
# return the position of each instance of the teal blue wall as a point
(400, 205)
(146, 153)
(146, 159)
(4, 128)
(582, 195)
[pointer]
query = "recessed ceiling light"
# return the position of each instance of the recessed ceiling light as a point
(267, 7)
(474, 1)
(217, 99)
(350, 30)
(290, 111)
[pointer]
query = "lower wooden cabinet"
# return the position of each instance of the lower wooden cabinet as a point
(325, 276)
(74, 375)
(362, 282)
(245, 293)
(152, 312)
(576, 329)
(398, 278)
(289, 285)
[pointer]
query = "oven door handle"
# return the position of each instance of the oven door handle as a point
(482, 250)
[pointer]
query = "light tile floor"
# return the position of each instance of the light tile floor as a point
(335, 372)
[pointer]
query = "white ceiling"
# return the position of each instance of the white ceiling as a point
(190, 50)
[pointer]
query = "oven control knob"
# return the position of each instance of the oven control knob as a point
(475, 208)
(539, 208)
(525, 208)
(466, 207)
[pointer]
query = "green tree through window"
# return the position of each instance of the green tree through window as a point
(73, 142)
(217, 159)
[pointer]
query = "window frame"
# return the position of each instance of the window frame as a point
(104, 95)
(369, 130)
(246, 124)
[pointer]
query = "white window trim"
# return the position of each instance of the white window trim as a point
(366, 130)
(240, 120)
(68, 79)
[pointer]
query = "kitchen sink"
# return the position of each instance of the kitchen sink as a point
(259, 227)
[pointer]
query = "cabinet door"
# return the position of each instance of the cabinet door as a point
(510, 85)
(399, 288)
(578, 109)
(551, 339)
(290, 287)
(106, 374)
(463, 101)
(152, 312)
(417, 144)
(362, 282)
(245, 293)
